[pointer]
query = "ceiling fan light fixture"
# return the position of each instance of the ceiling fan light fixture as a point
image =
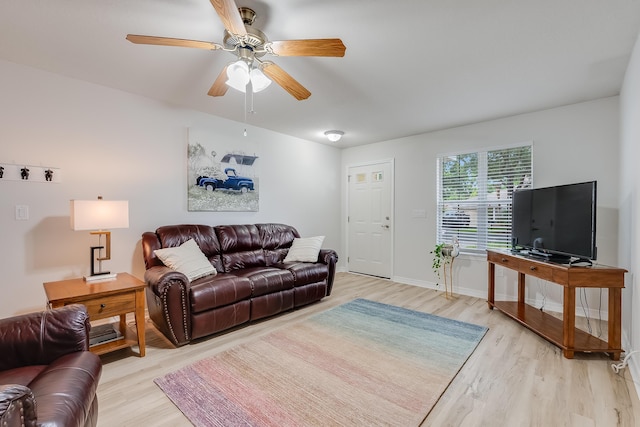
(238, 75)
(237, 86)
(259, 81)
(249, 44)
(334, 135)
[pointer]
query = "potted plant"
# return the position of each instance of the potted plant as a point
(443, 255)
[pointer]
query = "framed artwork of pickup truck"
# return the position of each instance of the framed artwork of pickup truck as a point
(222, 173)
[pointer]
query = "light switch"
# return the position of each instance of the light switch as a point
(419, 213)
(22, 212)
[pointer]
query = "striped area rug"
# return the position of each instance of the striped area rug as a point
(360, 364)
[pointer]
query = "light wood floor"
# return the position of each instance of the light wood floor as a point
(514, 378)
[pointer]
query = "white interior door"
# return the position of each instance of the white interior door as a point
(369, 219)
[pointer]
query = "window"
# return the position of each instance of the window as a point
(474, 196)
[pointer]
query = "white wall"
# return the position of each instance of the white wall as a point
(574, 143)
(122, 146)
(629, 235)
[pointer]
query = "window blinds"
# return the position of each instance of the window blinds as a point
(474, 196)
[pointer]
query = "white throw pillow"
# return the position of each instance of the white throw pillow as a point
(187, 259)
(305, 249)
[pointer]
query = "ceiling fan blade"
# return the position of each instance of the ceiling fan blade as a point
(310, 47)
(288, 83)
(230, 16)
(220, 86)
(167, 41)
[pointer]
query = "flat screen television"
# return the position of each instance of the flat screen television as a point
(556, 223)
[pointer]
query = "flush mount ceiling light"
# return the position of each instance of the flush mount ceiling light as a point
(334, 135)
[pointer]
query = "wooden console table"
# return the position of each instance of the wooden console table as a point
(561, 332)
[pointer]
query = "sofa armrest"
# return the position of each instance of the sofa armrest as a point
(40, 338)
(168, 302)
(150, 243)
(158, 278)
(330, 258)
(17, 406)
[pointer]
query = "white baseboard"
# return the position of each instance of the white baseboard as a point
(549, 306)
(435, 286)
(634, 370)
(633, 364)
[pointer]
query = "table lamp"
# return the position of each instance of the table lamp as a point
(98, 216)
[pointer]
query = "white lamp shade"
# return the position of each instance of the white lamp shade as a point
(259, 81)
(238, 75)
(99, 214)
(237, 86)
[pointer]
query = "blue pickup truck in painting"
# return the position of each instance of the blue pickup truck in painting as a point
(233, 182)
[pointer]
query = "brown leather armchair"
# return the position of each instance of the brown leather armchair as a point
(47, 375)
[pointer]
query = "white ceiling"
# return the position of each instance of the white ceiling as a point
(411, 66)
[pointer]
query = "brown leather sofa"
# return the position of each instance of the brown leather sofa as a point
(47, 375)
(252, 281)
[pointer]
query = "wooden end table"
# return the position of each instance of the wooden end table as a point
(103, 299)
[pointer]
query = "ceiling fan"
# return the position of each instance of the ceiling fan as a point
(250, 45)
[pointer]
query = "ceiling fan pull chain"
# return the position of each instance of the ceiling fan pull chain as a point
(252, 111)
(246, 94)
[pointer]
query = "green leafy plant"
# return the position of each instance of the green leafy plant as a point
(441, 256)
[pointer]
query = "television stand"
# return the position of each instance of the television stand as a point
(561, 332)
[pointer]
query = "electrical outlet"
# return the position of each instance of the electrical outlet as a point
(22, 212)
